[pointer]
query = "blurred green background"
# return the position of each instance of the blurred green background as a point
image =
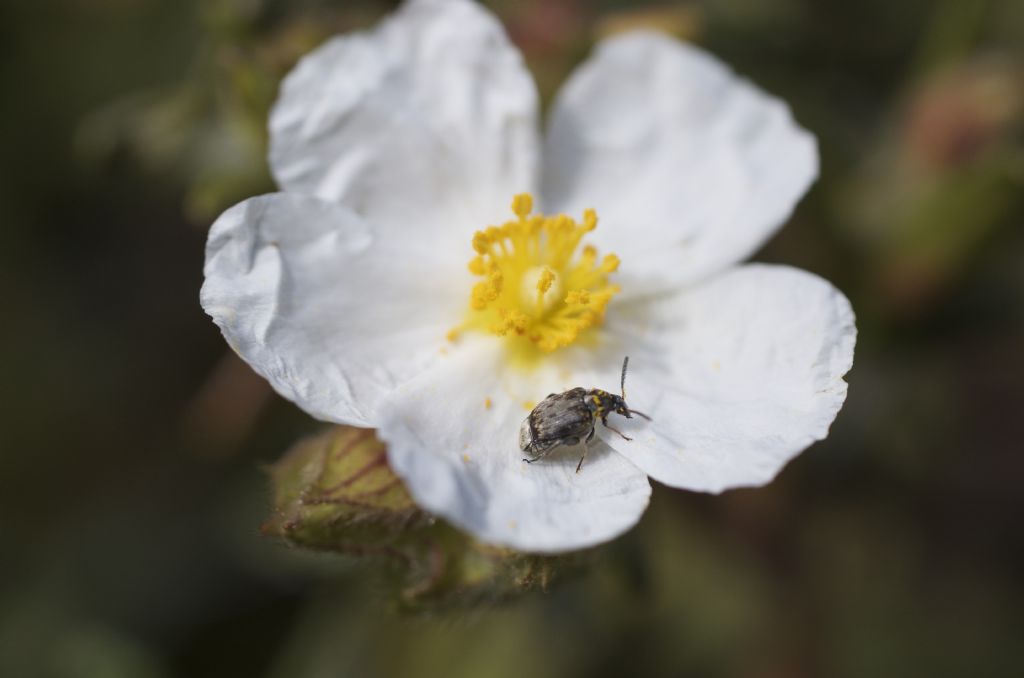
(131, 473)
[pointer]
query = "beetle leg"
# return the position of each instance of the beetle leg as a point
(584, 456)
(605, 422)
(545, 451)
(540, 455)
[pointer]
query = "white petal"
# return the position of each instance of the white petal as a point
(331, 316)
(427, 122)
(461, 459)
(739, 374)
(689, 167)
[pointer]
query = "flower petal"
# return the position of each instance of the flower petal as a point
(331, 316)
(452, 435)
(427, 122)
(749, 375)
(690, 167)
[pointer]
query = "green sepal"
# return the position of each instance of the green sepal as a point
(335, 492)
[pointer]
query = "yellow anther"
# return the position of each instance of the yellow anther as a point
(522, 205)
(511, 322)
(589, 219)
(481, 243)
(483, 293)
(496, 279)
(578, 297)
(610, 264)
(519, 321)
(477, 266)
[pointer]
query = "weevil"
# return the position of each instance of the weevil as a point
(564, 419)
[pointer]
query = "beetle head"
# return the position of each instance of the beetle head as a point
(619, 402)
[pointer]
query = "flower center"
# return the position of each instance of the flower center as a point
(537, 286)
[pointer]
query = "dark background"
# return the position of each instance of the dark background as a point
(131, 489)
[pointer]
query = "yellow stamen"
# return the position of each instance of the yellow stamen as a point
(522, 205)
(538, 285)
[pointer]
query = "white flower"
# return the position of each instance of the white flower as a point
(349, 290)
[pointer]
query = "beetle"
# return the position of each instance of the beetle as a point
(564, 419)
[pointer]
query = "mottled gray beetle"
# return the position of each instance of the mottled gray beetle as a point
(564, 419)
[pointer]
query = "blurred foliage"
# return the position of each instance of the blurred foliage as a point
(130, 484)
(942, 178)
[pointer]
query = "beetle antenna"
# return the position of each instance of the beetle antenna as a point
(622, 385)
(640, 413)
